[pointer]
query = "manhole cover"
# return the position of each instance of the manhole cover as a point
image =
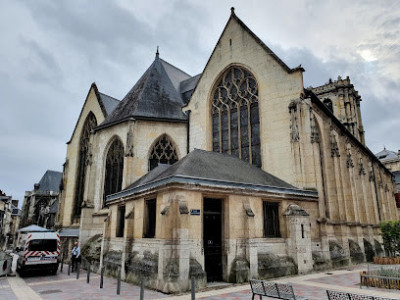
(51, 291)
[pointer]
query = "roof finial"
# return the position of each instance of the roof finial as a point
(157, 53)
(232, 10)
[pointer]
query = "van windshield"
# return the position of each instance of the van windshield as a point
(43, 245)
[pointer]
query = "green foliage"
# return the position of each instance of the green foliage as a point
(391, 236)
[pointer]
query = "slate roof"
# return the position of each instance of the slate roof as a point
(155, 96)
(386, 155)
(211, 168)
(109, 102)
(187, 87)
(50, 182)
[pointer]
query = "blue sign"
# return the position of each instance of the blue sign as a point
(195, 212)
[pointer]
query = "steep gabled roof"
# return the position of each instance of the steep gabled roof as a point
(202, 167)
(235, 18)
(50, 182)
(155, 96)
(107, 104)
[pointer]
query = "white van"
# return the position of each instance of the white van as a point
(39, 250)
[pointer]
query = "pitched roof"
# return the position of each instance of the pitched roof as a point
(211, 168)
(50, 182)
(155, 96)
(109, 102)
(386, 155)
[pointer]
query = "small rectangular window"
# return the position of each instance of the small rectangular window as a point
(150, 219)
(271, 219)
(120, 221)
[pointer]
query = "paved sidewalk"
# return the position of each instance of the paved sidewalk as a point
(64, 287)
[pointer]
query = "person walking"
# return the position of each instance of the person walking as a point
(75, 256)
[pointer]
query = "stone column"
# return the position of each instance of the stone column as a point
(299, 237)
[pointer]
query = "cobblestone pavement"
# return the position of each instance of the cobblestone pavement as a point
(64, 287)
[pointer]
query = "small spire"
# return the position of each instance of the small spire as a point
(157, 53)
(232, 10)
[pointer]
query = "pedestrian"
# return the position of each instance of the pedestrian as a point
(75, 256)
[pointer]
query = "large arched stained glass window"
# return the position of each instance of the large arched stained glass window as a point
(114, 169)
(84, 157)
(163, 152)
(235, 116)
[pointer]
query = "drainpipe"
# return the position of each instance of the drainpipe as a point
(188, 130)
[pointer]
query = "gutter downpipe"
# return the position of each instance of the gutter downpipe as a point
(188, 131)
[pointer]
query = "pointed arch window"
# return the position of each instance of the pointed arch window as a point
(163, 152)
(84, 159)
(114, 169)
(235, 116)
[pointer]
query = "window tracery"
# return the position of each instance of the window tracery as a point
(163, 152)
(84, 160)
(114, 169)
(235, 116)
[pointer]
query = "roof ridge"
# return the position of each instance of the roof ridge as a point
(109, 96)
(175, 67)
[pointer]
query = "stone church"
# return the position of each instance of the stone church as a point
(239, 172)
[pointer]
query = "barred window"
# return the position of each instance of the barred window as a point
(114, 169)
(163, 152)
(235, 116)
(84, 144)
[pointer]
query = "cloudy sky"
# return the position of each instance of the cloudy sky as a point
(51, 52)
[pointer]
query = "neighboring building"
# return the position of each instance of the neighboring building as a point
(235, 173)
(391, 160)
(40, 205)
(5, 219)
(15, 219)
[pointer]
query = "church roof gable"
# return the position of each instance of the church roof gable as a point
(154, 96)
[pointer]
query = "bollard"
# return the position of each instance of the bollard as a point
(62, 263)
(119, 281)
(69, 268)
(193, 288)
(142, 289)
(88, 274)
(78, 267)
(101, 277)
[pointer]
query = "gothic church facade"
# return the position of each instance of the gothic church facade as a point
(239, 172)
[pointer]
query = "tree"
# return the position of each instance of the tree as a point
(391, 236)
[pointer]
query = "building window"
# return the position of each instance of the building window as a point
(328, 103)
(84, 156)
(120, 221)
(150, 219)
(235, 116)
(114, 169)
(163, 152)
(271, 219)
